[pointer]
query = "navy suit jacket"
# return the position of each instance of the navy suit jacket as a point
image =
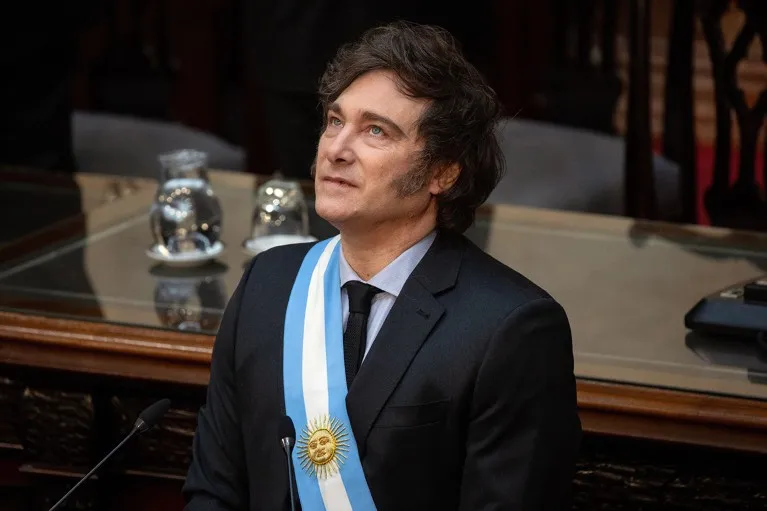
(466, 399)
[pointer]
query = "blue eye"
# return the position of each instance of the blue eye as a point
(335, 121)
(375, 130)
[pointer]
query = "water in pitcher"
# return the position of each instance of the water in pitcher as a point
(186, 214)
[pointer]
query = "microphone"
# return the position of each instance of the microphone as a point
(288, 441)
(146, 421)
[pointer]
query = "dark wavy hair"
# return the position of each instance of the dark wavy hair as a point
(458, 125)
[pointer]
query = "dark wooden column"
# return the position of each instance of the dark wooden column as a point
(195, 49)
(679, 115)
(524, 37)
(640, 201)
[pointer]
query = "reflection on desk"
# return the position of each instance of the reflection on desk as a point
(191, 299)
(727, 353)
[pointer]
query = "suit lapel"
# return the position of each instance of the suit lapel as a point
(411, 319)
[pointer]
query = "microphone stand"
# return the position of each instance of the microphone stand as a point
(146, 421)
(133, 433)
(287, 446)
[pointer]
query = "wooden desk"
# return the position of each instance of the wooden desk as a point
(78, 363)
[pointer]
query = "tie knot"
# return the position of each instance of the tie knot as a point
(360, 296)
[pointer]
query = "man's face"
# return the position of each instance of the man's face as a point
(367, 154)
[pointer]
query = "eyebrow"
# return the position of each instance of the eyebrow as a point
(367, 115)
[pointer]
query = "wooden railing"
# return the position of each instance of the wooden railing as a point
(752, 74)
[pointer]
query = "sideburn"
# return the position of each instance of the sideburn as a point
(413, 180)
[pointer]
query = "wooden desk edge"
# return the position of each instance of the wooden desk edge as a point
(104, 349)
(106, 337)
(606, 408)
(672, 404)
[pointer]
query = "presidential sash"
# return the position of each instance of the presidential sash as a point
(329, 473)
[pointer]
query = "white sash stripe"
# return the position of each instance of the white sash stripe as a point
(314, 368)
(314, 371)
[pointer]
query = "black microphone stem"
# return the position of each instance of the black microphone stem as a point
(287, 447)
(133, 433)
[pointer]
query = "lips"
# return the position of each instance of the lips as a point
(338, 181)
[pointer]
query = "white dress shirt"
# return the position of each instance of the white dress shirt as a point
(390, 281)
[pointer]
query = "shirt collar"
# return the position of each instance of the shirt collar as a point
(392, 278)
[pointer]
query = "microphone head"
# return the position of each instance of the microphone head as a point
(152, 415)
(287, 431)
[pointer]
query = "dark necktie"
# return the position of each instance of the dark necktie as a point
(355, 336)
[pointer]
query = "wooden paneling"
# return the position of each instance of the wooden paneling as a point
(752, 73)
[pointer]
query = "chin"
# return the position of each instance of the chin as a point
(332, 210)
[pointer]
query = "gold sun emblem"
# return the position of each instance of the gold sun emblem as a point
(322, 446)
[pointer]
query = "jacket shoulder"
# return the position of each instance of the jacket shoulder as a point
(278, 263)
(495, 282)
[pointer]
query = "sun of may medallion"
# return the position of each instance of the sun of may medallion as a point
(323, 446)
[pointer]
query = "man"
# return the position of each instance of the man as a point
(461, 393)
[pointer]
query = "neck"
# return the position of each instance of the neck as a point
(370, 250)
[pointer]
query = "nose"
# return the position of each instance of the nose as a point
(339, 148)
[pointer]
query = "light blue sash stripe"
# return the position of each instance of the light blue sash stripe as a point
(309, 491)
(351, 470)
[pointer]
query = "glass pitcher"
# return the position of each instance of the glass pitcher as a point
(186, 215)
(280, 216)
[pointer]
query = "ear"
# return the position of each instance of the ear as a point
(444, 179)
